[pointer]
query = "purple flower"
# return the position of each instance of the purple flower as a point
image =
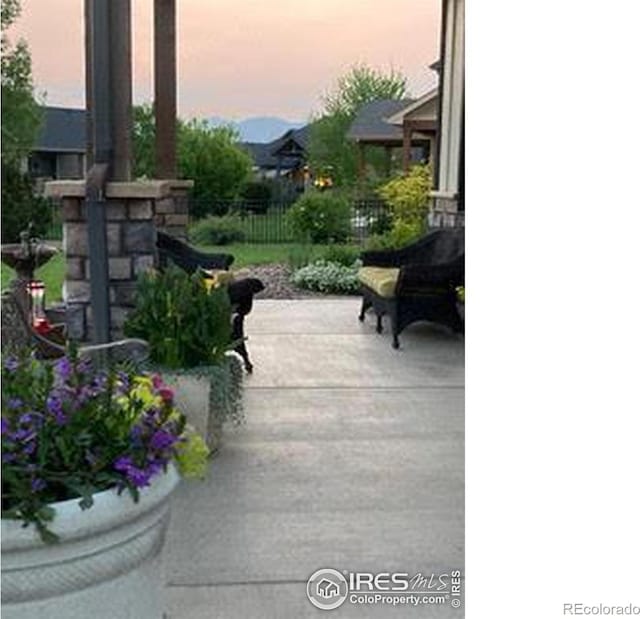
(63, 369)
(14, 403)
(54, 407)
(11, 364)
(139, 477)
(38, 484)
(8, 457)
(162, 439)
(5, 426)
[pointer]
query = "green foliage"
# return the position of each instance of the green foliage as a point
(21, 115)
(320, 217)
(186, 324)
(217, 231)
(346, 255)
(20, 206)
(328, 277)
(209, 156)
(408, 197)
(361, 85)
(69, 431)
(328, 144)
(258, 194)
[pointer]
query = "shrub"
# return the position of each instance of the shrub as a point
(258, 195)
(186, 323)
(408, 197)
(328, 277)
(344, 255)
(70, 431)
(217, 231)
(20, 206)
(320, 217)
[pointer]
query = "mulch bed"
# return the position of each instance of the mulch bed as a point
(275, 277)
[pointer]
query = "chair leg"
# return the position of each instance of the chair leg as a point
(379, 323)
(363, 308)
(393, 315)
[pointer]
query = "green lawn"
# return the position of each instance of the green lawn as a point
(52, 274)
(296, 254)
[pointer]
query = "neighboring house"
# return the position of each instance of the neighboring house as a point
(284, 157)
(371, 128)
(59, 151)
(419, 118)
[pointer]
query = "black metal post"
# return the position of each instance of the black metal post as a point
(99, 137)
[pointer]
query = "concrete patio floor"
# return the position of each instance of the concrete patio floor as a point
(352, 458)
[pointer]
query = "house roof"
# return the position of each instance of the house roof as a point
(63, 130)
(429, 97)
(265, 155)
(370, 124)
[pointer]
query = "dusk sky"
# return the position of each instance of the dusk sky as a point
(244, 58)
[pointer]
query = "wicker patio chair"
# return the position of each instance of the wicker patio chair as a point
(416, 282)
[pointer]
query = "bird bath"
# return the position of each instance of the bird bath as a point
(25, 257)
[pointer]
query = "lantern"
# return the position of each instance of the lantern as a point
(35, 290)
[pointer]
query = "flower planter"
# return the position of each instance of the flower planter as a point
(208, 396)
(108, 563)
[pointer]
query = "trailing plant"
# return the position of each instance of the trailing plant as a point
(320, 217)
(69, 431)
(186, 323)
(328, 277)
(217, 231)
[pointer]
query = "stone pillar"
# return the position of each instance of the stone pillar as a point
(172, 212)
(131, 243)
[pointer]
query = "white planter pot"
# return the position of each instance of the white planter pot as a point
(108, 563)
(206, 397)
(193, 399)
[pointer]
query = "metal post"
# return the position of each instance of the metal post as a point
(99, 135)
(165, 87)
(120, 67)
(88, 69)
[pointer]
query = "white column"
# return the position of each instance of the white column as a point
(452, 93)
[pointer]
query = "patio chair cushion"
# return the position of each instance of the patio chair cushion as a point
(381, 280)
(215, 278)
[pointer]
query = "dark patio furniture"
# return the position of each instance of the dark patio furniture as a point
(416, 282)
(241, 292)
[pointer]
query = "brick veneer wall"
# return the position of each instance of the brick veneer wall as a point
(134, 213)
(131, 240)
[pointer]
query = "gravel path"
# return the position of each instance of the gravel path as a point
(275, 277)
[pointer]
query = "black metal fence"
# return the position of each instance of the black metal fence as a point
(267, 223)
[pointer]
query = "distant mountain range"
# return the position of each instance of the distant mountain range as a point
(258, 128)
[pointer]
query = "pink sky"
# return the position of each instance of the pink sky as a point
(248, 57)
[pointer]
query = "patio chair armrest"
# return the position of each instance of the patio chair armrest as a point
(382, 258)
(418, 277)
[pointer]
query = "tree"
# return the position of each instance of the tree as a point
(21, 119)
(329, 145)
(209, 156)
(21, 114)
